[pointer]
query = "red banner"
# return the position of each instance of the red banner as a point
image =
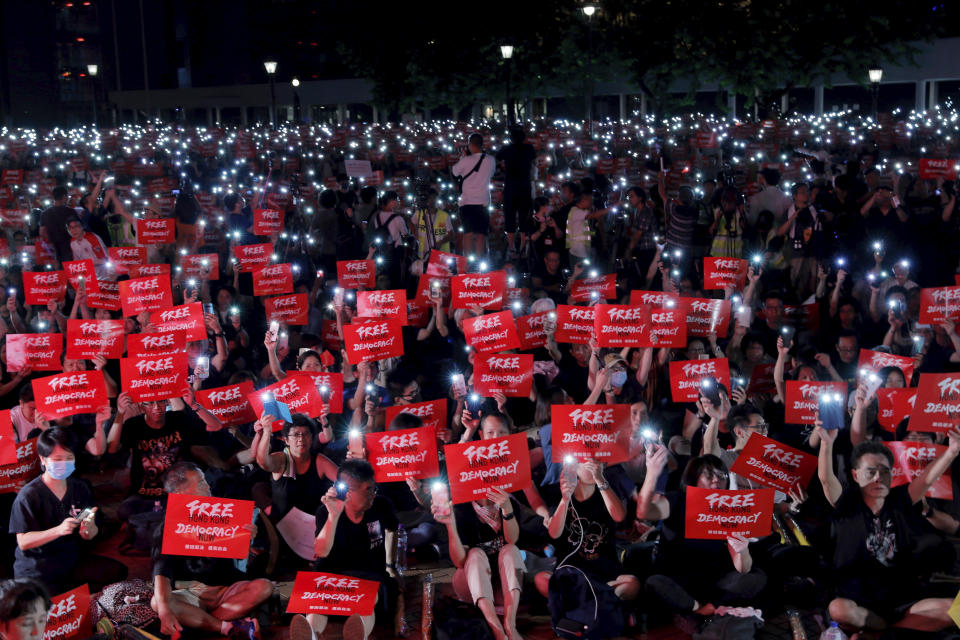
(201, 265)
(432, 412)
(147, 378)
(620, 325)
(39, 351)
(509, 374)
(474, 468)
(373, 341)
(668, 328)
(911, 459)
(292, 309)
(69, 394)
(145, 294)
(298, 393)
(185, 317)
(272, 280)
(404, 453)
(484, 290)
(719, 273)
(207, 527)
(155, 345)
(586, 431)
(8, 439)
(706, 315)
(656, 299)
(356, 274)
(328, 385)
(126, 260)
(575, 325)
(932, 168)
(445, 264)
(937, 403)
(251, 257)
(69, 615)
(383, 305)
(939, 303)
(894, 406)
(761, 379)
(716, 514)
(267, 222)
(803, 399)
(87, 339)
(598, 288)
(156, 231)
(44, 287)
(230, 404)
(147, 270)
(530, 330)
(330, 594)
(685, 377)
(873, 361)
(491, 332)
(26, 467)
(425, 286)
(107, 298)
(772, 464)
(81, 271)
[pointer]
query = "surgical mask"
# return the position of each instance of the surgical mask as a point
(60, 469)
(618, 379)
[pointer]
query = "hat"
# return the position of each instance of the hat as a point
(614, 358)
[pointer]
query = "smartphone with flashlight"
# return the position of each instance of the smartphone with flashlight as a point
(202, 368)
(710, 389)
(274, 330)
(208, 308)
(918, 343)
(459, 385)
(830, 407)
(341, 490)
(474, 403)
(570, 470)
(787, 333)
(896, 306)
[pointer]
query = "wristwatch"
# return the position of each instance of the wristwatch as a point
(508, 516)
(603, 486)
(219, 335)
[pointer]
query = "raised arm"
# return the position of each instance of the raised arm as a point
(922, 483)
(828, 479)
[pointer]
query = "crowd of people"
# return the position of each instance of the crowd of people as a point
(834, 230)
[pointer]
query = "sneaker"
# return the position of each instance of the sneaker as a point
(244, 629)
(300, 629)
(353, 628)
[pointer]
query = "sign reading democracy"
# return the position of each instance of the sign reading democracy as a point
(473, 468)
(404, 453)
(590, 431)
(332, 594)
(207, 527)
(70, 394)
(716, 514)
(772, 464)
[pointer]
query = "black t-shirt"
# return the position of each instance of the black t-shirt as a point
(54, 221)
(475, 533)
(573, 378)
(588, 537)
(359, 546)
(706, 559)
(210, 571)
(36, 508)
(517, 159)
(156, 450)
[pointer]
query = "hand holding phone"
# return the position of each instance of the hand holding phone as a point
(830, 409)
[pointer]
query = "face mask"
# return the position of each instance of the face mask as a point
(60, 469)
(618, 379)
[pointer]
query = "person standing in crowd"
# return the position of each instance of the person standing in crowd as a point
(475, 170)
(53, 221)
(517, 159)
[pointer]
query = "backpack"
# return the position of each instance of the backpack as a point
(581, 607)
(127, 602)
(455, 620)
(728, 628)
(382, 231)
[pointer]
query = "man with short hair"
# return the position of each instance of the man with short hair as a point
(517, 158)
(769, 198)
(53, 224)
(475, 169)
(24, 415)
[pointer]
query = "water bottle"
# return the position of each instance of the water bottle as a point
(833, 632)
(796, 626)
(401, 549)
(426, 615)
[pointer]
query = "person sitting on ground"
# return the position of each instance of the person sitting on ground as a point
(24, 605)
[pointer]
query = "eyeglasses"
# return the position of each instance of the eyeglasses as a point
(881, 472)
(762, 427)
(299, 435)
(847, 349)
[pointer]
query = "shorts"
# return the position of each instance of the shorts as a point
(206, 597)
(475, 218)
(517, 207)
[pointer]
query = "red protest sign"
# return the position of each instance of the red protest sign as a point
(38, 351)
(8, 440)
(432, 412)
(655, 299)
(716, 514)
(509, 374)
(937, 404)
(596, 288)
(491, 332)
(291, 309)
(685, 377)
(772, 464)
(297, 392)
(706, 315)
(69, 394)
(152, 293)
(155, 345)
(274, 279)
(530, 330)
(383, 305)
(126, 260)
(81, 271)
(251, 257)
(185, 317)
(87, 339)
(932, 168)
(803, 399)
(146, 270)
(575, 325)
(484, 290)
(910, 459)
(24, 469)
(331, 594)
(761, 379)
(668, 328)
(417, 316)
(404, 453)
(516, 297)
(328, 385)
(206, 526)
(874, 361)
(473, 468)
(68, 617)
(156, 231)
(201, 265)
(894, 406)
(373, 341)
(445, 264)
(148, 378)
(938, 304)
(267, 222)
(230, 403)
(426, 286)
(585, 431)
(620, 325)
(107, 298)
(720, 273)
(356, 274)
(44, 287)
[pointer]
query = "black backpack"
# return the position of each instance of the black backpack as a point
(583, 608)
(382, 231)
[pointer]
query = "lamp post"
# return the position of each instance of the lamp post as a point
(588, 10)
(876, 75)
(296, 99)
(92, 71)
(271, 67)
(506, 50)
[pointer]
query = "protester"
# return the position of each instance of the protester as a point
(23, 609)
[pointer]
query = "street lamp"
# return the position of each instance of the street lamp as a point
(506, 50)
(296, 99)
(271, 67)
(92, 71)
(876, 75)
(588, 10)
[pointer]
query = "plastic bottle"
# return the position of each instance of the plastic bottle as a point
(426, 619)
(796, 626)
(833, 632)
(401, 549)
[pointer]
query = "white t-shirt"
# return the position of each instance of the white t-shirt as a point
(397, 227)
(476, 188)
(21, 426)
(578, 233)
